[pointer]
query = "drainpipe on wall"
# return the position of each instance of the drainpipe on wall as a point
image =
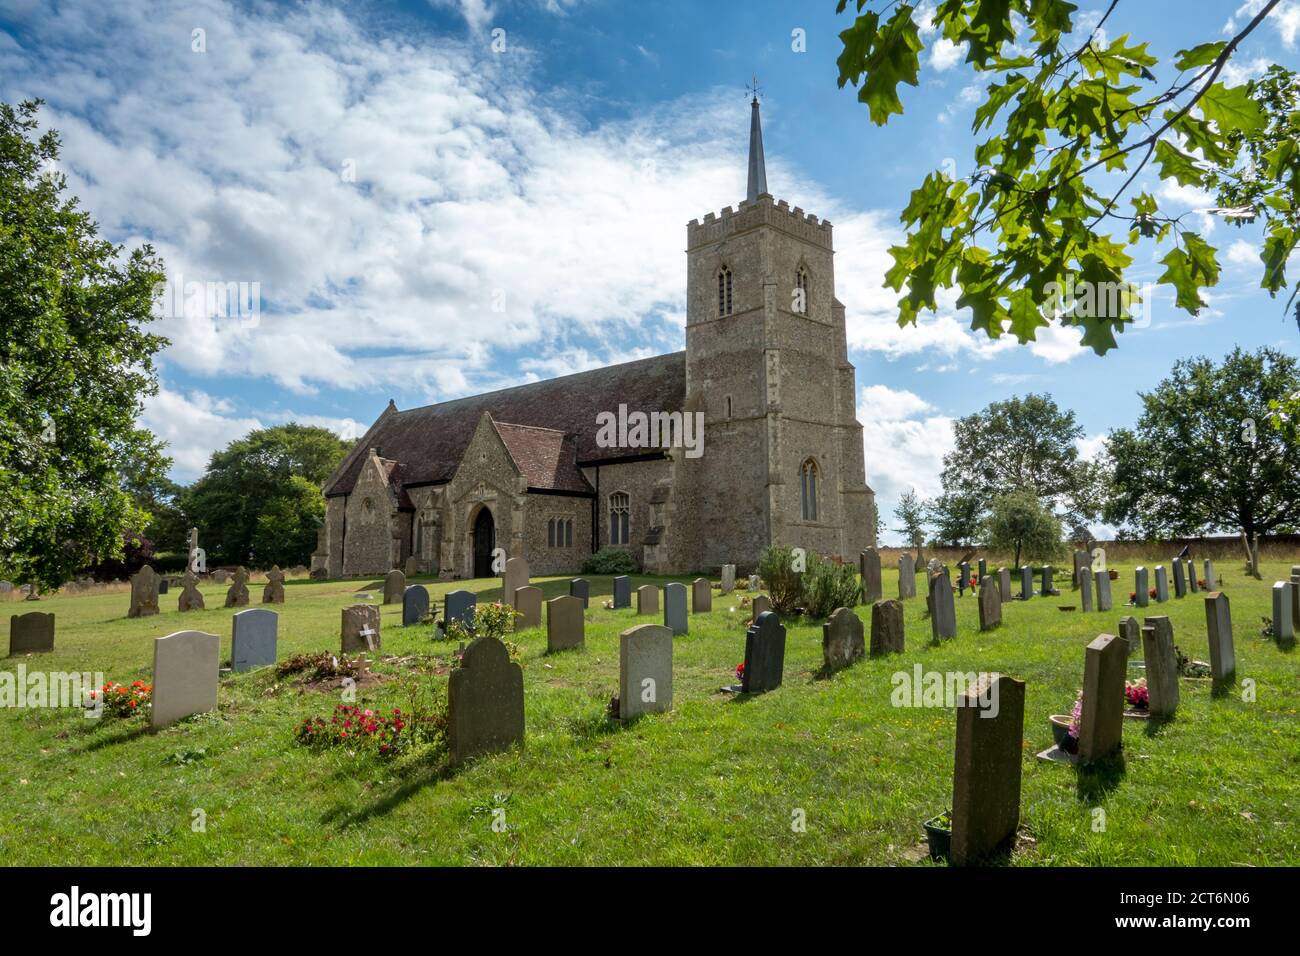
(595, 515)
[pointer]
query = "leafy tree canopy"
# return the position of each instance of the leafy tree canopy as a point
(1019, 522)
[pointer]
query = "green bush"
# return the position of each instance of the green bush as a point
(610, 561)
(829, 584)
(784, 583)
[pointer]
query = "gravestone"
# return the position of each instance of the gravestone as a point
(144, 593)
(1192, 584)
(647, 599)
(273, 593)
(459, 606)
(1131, 632)
(1211, 581)
(528, 607)
(622, 591)
(514, 578)
(983, 569)
(963, 577)
(1084, 586)
(728, 578)
(645, 671)
(676, 616)
(394, 586)
(1283, 612)
(1162, 666)
(1180, 579)
(764, 654)
(990, 599)
(221, 576)
(565, 626)
(986, 770)
(1295, 602)
(186, 670)
(415, 604)
(1081, 559)
(412, 566)
(1141, 587)
(191, 598)
(1162, 584)
(485, 702)
(906, 577)
(1026, 582)
(1004, 584)
(1047, 587)
(163, 586)
(1099, 559)
(237, 593)
(943, 612)
(31, 633)
(252, 639)
(701, 596)
(1218, 624)
(886, 628)
(760, 605)
(581, 589)
(869, 569)
(1101, 727)
(842, 640)
(1104, 601)
(360, 629)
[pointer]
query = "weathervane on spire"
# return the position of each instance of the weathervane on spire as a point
(754, 89)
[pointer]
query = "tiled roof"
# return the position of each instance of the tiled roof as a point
(545, 457)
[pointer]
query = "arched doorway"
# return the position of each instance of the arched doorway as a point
(485, 539)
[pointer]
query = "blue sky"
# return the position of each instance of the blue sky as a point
(428, 217)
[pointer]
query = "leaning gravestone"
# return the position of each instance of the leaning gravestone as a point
(581, 589)
(869, 568)
(986, 770)
(1162, 584)
(459, 606)
(1047, 587)
(842, 640)
(622, 591)
(31, 633)
(645, 671)
(983, 569)
(764, 654)
(191, 598)
(1283, 619)
(564, 624)
(1082, 560)
(360, 629)
(701, 596)
(485, 702)
(515, 577)
(1180, 579)
(1102, 720)
(1026, 582)
(273, 593)
(237, 593)
(1084, 587)
(1004, 584)
(1218, 624)
(252, 639)
(528, 607)
(186, 670)
(728, 578)
(760, 605)
(1211, 581)
(1141, 587)
(144, 593)
(415, 604)
(963, 577)
(1131, 632)
(1161, 666)
(1192, 585)
(943, 612)
(675, 613)
(906, 577)
(1104, 602)
(647, 599)
(886, 628)
(990, 601)
(394, 586)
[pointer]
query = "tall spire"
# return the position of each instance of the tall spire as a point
(757, 167)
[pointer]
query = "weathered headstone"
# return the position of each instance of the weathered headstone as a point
(1101, 726)
(191, 598)
(31, 633)
(528, 607)
(1141, 587)
(764, 654)
(701, 596)
(1104, 600)
(728, 578)
(1081, 559)
(1162, 584)
(273, 593)
(986, 770)
(1211, 580)
(1084, 587)
(394, 586)
(943, 611)
(754, 582)
(221, 576)
(760, 605)
(1026, 582)
(163, 586)
(1180, 579)
(459, 606)
(581, 589)
(1099, 559)
(253, 639)
(1161, 666)
(990, 599)
(237, 593)
(886, 628)
(842, 640)
(1047, 587)
(1192, 584)
(645, 671)
(1283, 612)
(963, 577)
(565, 626)
(906, 577)
(514, 578)
(647, 599)
(676, 615)
(144, 593)
(412, 566)
(622, 591)
(1004, 584)
(1131, 632)
(869, 570)
(485, 702)
(983, 569)
(415, 604)
(360, 629)
(186, 670)
(1218, 624)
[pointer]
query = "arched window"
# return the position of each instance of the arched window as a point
(559, 533)
(620, 518)
(803, 290)
(808, 490)
(724, 291)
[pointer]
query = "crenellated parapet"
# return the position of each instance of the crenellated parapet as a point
(764, 211)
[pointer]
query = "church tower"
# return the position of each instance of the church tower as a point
(767, 362)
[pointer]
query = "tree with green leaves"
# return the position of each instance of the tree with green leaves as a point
(1019, 522)
(1072, 123)
(956, 516)
(910, 514)
(75, 365)
(1202, 456)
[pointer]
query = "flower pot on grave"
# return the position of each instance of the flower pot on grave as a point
(938, 834)
(1061, 733)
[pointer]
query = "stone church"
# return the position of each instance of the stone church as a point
(529, 470)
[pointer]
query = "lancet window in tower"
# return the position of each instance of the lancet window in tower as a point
(808, 490)
(620, 515)
(802, 289)
(724, 291)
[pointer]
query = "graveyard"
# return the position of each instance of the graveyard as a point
(820, 770)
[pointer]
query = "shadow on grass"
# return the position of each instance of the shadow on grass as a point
(110, 740)
(1095, 780)
(426, 771)
(594, 726)
(1155, 726)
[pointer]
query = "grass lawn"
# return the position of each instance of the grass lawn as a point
(716, 781)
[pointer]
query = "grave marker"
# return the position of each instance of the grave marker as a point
(676, 617)
(1104, 601)
(728, 578)
(622, 591)
(986, 771)
(273, 593)
(394, 586)
(237, 593)
(1162, 666)
(415, 604)
(842, 640)
(1218, 624)
(565, 625)
(943, 612)
(186, 670)
(1162, 584)
(701, 596)
(31, 633)
(1026, 582)
(485, 702)
(906, 577)
(990, 599)
(1084, 587)
(528, 607)
(513, 578)
(581, 589)
(647, 599)
(645, 671)
(360, 628)
(253, 639)
(1102, 720)
(459, 606)
(764, 654)
(1141, 587)
(869, 569)
(887, 628)
(760, 605)
(1283, 613)
(1004, 584)
(144, 593)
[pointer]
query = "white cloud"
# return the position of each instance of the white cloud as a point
(905, 439)
(1285, 20)
(193, 425)
(945, 54)
(1186, 196)
(1091, 447)
(1243, 253)
(1056, 343)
